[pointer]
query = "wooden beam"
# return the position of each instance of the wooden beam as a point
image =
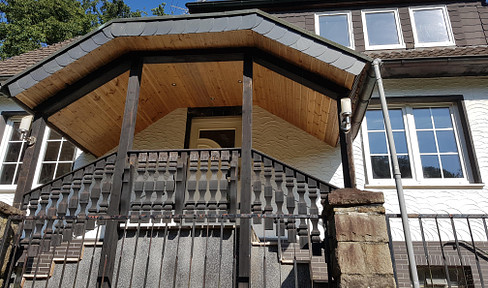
(29, 162)
(188, 56)
(107, 259)
(246, 175)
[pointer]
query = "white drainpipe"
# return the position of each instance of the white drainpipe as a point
(397, 175)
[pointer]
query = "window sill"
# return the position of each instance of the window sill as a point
(426, 186)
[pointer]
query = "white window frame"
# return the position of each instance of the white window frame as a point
(401, 43)
(447, 22)
(9, 129)
(42, 153)
(349, 24)
(413, 150)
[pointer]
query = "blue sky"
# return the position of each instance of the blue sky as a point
(172, 6)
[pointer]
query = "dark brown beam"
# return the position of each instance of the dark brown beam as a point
(246, 170)
(29, 162)
(107, 259)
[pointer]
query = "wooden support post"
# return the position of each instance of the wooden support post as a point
(347, 154)
(246, 176)
(117, 203)
(29, 162)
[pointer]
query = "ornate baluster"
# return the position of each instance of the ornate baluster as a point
(95, 193)
(55, 239)
(136, 203)
(63, 205)
(192, 182)
(256, 187)
(170, 184)
(224, 184)
(213, 183)
(43, 212)
(149, 185)
(33, 227)
(107, 183)
(84, 199)
(290, 205)
(180, 183)
(202, 182)
(302, 209)
(279, 195)
(268, 193)
(73, 205)
(157, 205)
(233, 182)
(313, 193)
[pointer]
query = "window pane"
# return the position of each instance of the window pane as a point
(404, 164)
(374, 119)
(426, 142)
(63, 168)
(400, 142)
(15, 131)
(47, 173)
(8, 171)
(422, 118)
(13, 152)
(451, 166)
(396, 119)
(442, 117)
(377, 143)
(446, 140)
(67, 152)
(381, 167)
(335, 28)
(430, 166)
(52, 151)
(382, 29)
(225, 138)
(53, 135)
(430, 26)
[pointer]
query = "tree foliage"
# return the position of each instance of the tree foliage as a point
(29, 24)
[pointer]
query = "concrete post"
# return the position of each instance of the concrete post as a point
(9, 232)
(359, 242)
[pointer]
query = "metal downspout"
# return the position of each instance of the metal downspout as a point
(397, 175)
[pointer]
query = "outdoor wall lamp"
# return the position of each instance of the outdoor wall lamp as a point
(24, 129)
(346, 112)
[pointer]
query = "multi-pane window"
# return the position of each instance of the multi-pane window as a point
(431, 26)
(336, 27)
(57, 158)
(11, 151)
(382, 29)
(427, 142)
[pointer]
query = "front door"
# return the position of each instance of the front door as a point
(215, 132)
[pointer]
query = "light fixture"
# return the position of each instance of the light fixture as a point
(173, 84)
(346, 112)
(24, 130)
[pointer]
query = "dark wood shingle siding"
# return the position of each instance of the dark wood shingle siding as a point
(304, 20)
(466, 23)
(483, 13)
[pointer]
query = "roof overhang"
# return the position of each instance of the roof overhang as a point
(192, 61)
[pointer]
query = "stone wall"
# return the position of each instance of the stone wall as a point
(7, 233)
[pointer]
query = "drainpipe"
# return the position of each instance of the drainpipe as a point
(398, 177)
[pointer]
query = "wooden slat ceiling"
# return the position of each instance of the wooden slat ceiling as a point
(94, 121)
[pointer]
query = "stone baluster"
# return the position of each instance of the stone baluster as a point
(234, 163)
(149, 185)
(257, 187)
(302, 209)
(279, 195)
(313, 194)
(290, 205)
(224, 183)
(213, 183)
(202, 182)
(157, 205)
(107, 183)
(192, 182)
(268, 193)
(51, 213)
(170, 184)
(95, 193)
(84, 199)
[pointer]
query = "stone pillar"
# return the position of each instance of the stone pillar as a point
(359, 239)
(9, 232)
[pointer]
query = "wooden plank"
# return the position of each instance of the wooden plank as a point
(246, 174)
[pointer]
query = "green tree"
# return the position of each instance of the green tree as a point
(159, 11)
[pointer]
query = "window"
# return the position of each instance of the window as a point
(11, 151)
(427, 140)
(435, 276)
(336, 27)
(382, 29)
(57, 155)
(431, 26)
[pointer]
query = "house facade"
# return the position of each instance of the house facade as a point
(191, 89)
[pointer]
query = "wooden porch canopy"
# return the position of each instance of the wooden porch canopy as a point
(193, 61)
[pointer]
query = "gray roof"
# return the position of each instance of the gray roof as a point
(255, 20)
